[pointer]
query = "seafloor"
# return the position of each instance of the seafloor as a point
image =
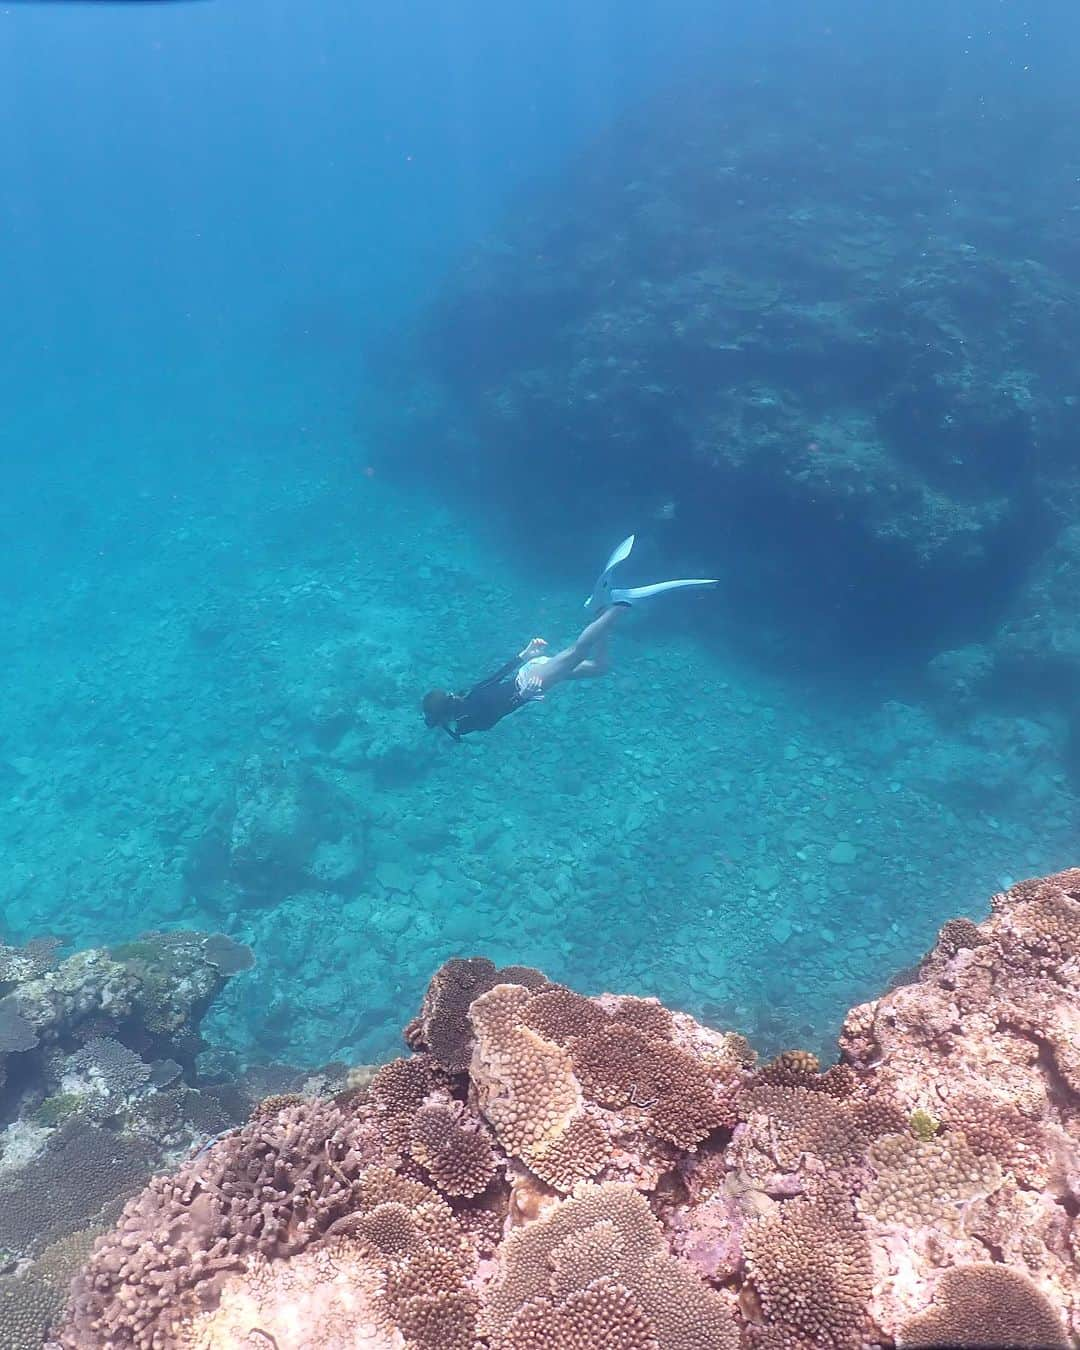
(213, 669)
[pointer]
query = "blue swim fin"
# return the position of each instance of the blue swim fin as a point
(604, 594)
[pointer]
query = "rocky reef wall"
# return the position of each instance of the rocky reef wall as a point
(803, 317)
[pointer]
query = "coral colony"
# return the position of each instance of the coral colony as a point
(545, 1169)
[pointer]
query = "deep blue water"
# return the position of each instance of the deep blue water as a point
(257, 496)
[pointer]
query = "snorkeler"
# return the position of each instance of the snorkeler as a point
(529, 675)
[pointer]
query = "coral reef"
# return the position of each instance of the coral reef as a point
(548, 1169)
(98, 1085)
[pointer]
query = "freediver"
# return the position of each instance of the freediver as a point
(530, 674)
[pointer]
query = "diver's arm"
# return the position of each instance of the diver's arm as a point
(501, 674)
(531, 649)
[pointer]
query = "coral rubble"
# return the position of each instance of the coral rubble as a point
(551, 1170)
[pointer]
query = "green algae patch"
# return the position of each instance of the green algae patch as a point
(55, 1110)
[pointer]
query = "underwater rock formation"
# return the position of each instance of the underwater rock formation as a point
(548, 1169)
(734, 313)
(97, 1088)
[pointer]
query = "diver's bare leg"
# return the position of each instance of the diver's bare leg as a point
(589, 670)
(594, 666)
(564, 665)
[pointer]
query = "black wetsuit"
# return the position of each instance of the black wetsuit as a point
(489, 701)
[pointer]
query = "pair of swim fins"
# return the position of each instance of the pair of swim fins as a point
(605, 594)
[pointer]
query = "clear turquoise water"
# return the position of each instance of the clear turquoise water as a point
(211, 720)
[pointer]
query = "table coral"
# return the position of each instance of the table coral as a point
(533, 1197)
(525, 1083)
(545, 1260)
(94, 1166)
(460, 1160)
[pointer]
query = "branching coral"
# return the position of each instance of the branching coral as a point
(269, 1189)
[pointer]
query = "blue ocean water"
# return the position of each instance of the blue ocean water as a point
(299, 419)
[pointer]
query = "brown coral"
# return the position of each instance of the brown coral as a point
(525, 1083)
(525, 1260)
(790, 1066)
(986, 1306)
(271, 1188)
(604, 1315)
(400, 1087)
(844, 1205)
(791, 1122)
(27, 1307)
(459, 1160)
(1001, 1131)
(958, 933)
(610, 1064)
(798, 1068)
(810, 1269)
(645, 1015)
(442, 1026)
(578, 1153)
(612, 1231)
(921, 1182)
(620, 1066)
(560, 1015)
(393, 1272)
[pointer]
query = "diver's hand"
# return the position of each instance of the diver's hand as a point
(535, 648)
